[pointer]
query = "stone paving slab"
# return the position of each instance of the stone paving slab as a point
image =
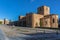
(36, 34)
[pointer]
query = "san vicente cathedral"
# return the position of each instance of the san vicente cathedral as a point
(42, 18)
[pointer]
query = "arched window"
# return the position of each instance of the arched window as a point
(53, 20)
(36, 24)
(46, 22)
(46, 8)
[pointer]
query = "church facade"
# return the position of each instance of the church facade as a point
(42, 18)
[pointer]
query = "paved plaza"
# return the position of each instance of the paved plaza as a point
(24, 33)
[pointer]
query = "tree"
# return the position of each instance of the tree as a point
(0, 22)
(40, 23)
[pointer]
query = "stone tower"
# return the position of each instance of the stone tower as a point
(6, 21)
(44, 10)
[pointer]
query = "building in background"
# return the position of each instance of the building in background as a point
(5, 21)
(42, 18)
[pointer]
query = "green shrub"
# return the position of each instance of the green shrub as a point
(40, 23)
(0, 22)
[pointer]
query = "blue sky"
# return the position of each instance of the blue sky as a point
(11, 9)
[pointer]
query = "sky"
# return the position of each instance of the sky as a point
(11, 9)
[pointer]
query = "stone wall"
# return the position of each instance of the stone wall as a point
(44, 10)
(36, 20)
(54, 21)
